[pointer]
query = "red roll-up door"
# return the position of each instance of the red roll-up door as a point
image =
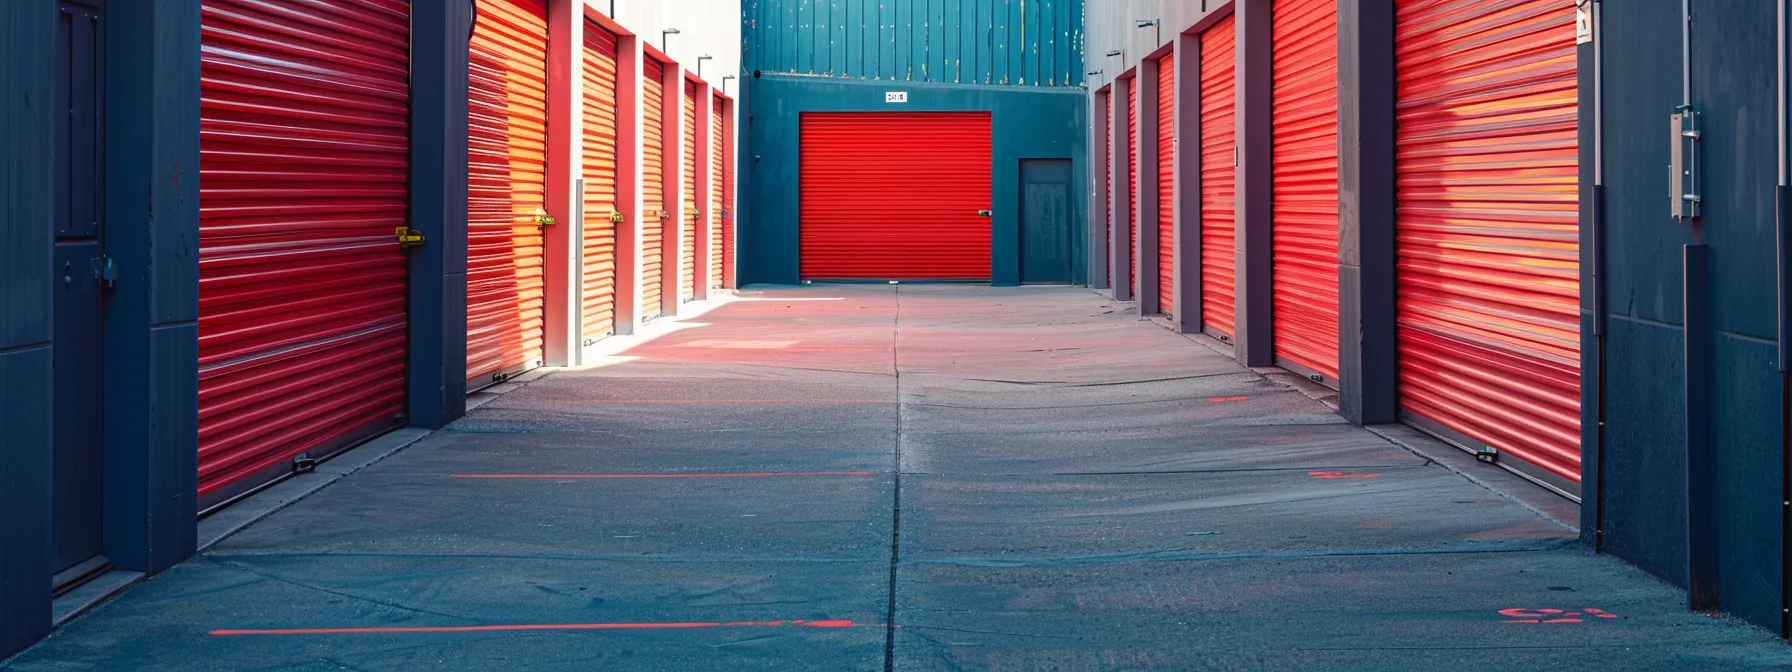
(716, 178)
(506, 186)
(1304, 141)
(303, 178)
(598, 257)
(1132, 179)
(1219, 254)
(895, 195)
(1486, 228)
(1166, 184)
(729, 264)
(653, 192)
(687, 246)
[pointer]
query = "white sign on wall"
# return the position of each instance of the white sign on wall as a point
(1583, 22)
(895, 96)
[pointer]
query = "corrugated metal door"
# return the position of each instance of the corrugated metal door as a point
(1132, 179)
(716, 252)
(730, 266)
(506, 187)
(1166, 181)
(1486, 229)
(653, 192)
(1107, 175)
(1305, 159)
(1219, 254)
(303, 177)
(598, 294)
(687, 246)
(895, 195)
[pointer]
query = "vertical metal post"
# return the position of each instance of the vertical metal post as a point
(1701, 503)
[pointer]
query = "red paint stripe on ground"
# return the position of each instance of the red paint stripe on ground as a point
(1218, 400)
(541, 626)
(759, 474)
(1338, 474)
(621, 402)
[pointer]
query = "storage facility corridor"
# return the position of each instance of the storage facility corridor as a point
(1043, 480)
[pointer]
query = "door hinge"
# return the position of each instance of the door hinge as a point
(105, 270)
(409, 238)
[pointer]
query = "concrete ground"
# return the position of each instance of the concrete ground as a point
(914, 478)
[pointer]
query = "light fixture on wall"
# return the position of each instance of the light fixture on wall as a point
(663, 34)
(725, 79)
(1153, 23)
(700, 60)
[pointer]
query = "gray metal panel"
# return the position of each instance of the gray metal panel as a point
(1367, 366)
(1188, 184)
(1147, 130)
(1255, 284)
(1099, 198)
(1120, 233)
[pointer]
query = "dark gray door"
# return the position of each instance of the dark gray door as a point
(1045, 221)
(80, 294)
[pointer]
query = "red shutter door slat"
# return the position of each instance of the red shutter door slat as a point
(303, 176)
(1218, 137)
(506, 185)
(1305, 159)
(730, 266)
(653, 192)
(599, 169)
(895, 195)
(687, 252)
(1487, 225)
(1107, 173)
(1132, 179)
(715, 199)
(1166, 181)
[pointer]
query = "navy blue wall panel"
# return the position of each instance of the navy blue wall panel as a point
(152, 148)
(1026, 124)
(1745, 402)
(27, 31)
(1645, 470)
(437, 359)
(1034, 43)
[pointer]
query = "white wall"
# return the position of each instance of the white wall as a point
(709, 27)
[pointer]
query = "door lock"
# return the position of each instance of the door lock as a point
(409, 238)
(105, 270)
(986, 213)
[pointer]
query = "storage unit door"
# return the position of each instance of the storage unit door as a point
(1166, 184)
(1219, 254)
(730, 265)
(506, 186)
(1132, 181)
(598, 144)
(895, 195)
(1304, 110)
(690, 215)
(303, 177)
(715, 195)
(653, 191)
(1486, 229)
(1107, 177)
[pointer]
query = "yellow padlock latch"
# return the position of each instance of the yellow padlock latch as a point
(408, 237)
(616, 218)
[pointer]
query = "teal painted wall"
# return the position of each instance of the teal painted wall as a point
(996, 42)
(1026, 123)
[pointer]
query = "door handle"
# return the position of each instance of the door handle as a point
(986, 213)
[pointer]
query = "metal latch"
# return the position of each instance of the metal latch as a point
(543, 218)
(105, 270)
(1683, 163)
(617, 218)
(986, 213)
(1488, 454)
(303, 463)
(408, 237)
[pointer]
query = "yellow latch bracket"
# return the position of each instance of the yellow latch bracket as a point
(543, 218)
(409, 238)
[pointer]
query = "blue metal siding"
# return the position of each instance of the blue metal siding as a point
(1026, 124)
(27, 31)
(945, 41)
